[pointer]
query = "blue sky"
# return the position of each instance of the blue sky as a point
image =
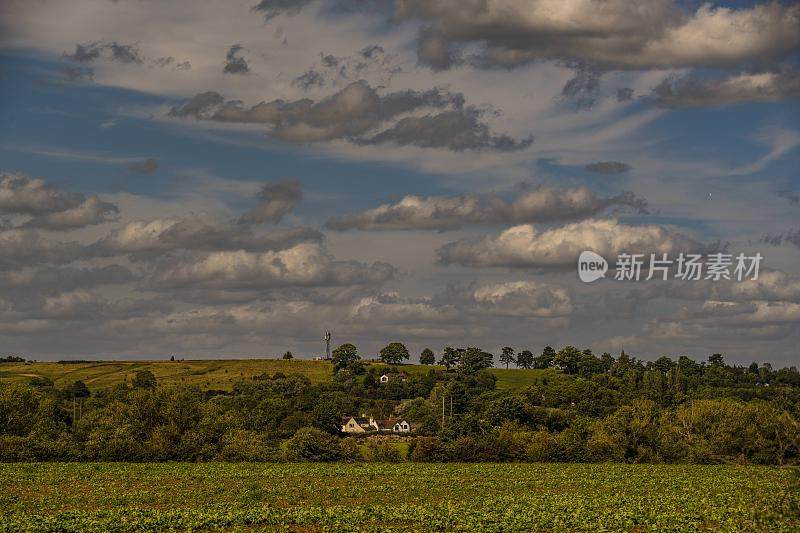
(418, 172)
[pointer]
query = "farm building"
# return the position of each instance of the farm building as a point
(362, 424)
(391, 376)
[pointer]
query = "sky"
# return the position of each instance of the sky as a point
(213, 179)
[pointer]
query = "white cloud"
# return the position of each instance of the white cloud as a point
(525, 246)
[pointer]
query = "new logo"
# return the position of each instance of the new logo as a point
(591, 266)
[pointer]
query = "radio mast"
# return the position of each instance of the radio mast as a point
(327, 344)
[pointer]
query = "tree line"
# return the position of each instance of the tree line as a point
(579, 407)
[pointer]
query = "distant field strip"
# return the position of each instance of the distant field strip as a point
(402, 497)
(214, 374)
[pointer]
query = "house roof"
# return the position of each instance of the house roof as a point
(360, 420)
(389, 422)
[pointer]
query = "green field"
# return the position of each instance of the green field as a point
(346, 497)
(210, 374)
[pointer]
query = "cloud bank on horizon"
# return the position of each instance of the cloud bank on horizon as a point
(232, 179)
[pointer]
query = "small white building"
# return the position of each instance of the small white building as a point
(391, 376)
(357, 424)
(362, 424)
(401, 426)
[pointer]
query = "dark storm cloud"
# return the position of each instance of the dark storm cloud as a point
(608, 167)
(625, 94)
(275, 200)
(581, 90)
(235, 64)
(455, 130)
(789, 237)
(90, 52)
(335, 71)
(354, 111)
(658, 34)
(309, 80)
(452, 212)
(124, 53)
(146, 166)
(693, 91)
(84, 53)
(272, 8)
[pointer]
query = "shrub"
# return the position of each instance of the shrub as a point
(311, 444)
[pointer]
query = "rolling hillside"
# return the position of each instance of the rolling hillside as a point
(210, 374)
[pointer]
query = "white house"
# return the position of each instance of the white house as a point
(357, 424)
(362, 424)
(385, 378)
(401, 426)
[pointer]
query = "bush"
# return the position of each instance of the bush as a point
(427, 450)
(243, 445)
(311, 444)
(382, 452)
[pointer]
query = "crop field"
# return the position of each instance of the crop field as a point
(395, 497)
(212, 374)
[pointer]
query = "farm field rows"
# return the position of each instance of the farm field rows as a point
(346, 497)
(211, 374)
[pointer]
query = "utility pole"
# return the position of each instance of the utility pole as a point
(442, 412)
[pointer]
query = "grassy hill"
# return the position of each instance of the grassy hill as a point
(211, 374)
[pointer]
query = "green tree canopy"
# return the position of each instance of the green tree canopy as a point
(79, 390)
(507, 356)
(394, 353)
(568, 358)
(525, 359)
(449, 358)
(344, 355)
(144, 379)
(474, 359)
(288, 355)
(427, 357)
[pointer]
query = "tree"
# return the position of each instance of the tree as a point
(525, 359)
(663, 364)
(144, 379)
(427, 357)
(568, 358)
(79, 390)
(288, 355)
(394, 353)
(474, 359)
(546, 359)
(450, 357)
(507, 356)
(171, 357)
(311, 444)
(343, 356)
(716, 360)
